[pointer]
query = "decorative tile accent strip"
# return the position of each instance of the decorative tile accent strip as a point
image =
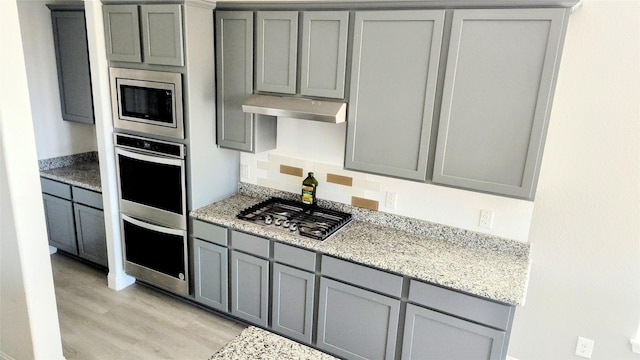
(364, 203)
(68, 160)
(291, 170)
(339, 179)
(411, 225)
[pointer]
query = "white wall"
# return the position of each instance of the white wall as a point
(585, 232)
(311, 144)
(29, 319)
(54, 137)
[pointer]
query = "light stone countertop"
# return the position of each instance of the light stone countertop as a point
(495, 272)
(84, 175)
(255, 343)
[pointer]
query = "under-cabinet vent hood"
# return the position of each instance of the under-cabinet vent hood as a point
(298, 108)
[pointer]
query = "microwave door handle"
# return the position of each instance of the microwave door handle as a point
(152, 227)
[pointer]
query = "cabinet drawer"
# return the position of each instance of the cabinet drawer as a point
(210, 232)
(250, 244)
(56, 188)
(466, 306)
(369, 278)
(87, 197)
(294, 256)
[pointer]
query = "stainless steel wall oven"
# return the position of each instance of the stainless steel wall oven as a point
(153, 214)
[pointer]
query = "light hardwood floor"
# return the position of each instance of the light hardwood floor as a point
(135, 323)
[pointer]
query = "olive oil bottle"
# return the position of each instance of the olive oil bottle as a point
(309, 186)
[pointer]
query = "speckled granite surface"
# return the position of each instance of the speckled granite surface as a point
(62, 161)
(255, 343)
(497, 270)
(85, 175)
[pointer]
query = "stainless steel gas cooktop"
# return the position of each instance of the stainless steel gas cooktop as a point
(310, 221)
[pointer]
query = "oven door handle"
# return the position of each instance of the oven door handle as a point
(158, 159)
(153, 227)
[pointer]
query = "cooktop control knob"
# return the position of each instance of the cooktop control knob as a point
(277, 221)
(293, 227)
(268, 219)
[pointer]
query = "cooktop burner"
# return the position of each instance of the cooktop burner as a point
(311, 221)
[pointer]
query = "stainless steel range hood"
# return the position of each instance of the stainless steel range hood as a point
(298, 108)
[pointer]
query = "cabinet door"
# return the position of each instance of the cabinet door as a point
(122, 32)
(60, 227)
(249, 288)
(277, 51)
(162, 34)
(499, 80)
(393, 81)
(432, 335)
(324, 53)
(72, 60)
(92, 237)
(292, 303)
(355, 323)
(211, 274)
(234, 70)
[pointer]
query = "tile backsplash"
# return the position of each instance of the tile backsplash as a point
(334, 183)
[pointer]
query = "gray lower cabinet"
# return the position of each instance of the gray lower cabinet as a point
(149, 33)
(75, 220)
(394, 72)
(497, 95)
(72, 60)
(250, 288)
(210, 264)
(211, 274)
(429, 334)
(60, 224)
(355, 323)
(91, 234)
(234, 72)
(292, 302)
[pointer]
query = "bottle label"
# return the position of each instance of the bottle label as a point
(307, 194)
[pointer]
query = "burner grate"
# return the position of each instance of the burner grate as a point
(310, 221)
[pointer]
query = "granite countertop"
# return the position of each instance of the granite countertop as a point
(255, 343)
(85, 175)
(494, 270)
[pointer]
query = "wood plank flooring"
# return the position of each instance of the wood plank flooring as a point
(135, 323)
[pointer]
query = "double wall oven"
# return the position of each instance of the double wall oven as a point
(151, 176)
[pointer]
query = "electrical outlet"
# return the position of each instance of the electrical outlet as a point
(391, 199)
(584, 347)
(486, 219)
(244, 171)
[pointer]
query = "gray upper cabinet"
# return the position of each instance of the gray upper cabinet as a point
(234, 71)
(277, 51)
(162, 34)
(72, 60)
(324, 53)
(323, 44)
(161, 42)
(122, 32)
(497, 96)
(393, 84)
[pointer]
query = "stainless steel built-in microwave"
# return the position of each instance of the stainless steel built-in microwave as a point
(148, 102)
